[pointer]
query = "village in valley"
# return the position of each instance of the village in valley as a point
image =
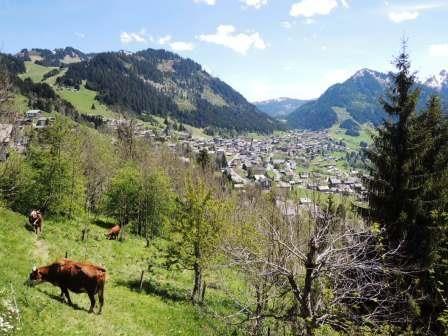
(286, 161)
(299, 162)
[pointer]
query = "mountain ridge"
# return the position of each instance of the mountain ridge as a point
(279, 107)
(155, 82)
(360, 96)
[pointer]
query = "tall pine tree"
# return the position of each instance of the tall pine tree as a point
(394, 190)
(407, 193)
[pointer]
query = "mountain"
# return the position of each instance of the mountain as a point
(158, 82)
(280, 107)
(54, 58)
(359, 99)
(439, 82)
(150, 82)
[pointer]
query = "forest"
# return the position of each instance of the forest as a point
(150, 82)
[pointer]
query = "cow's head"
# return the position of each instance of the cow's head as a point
(35, 277)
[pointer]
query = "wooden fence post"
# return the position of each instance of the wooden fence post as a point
(141, 281)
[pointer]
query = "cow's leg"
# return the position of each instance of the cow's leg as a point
(92, 302)
(67, 295)
(101, 298)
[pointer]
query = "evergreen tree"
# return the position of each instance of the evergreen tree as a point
(394, 191)
(407, 193)
(434, 215)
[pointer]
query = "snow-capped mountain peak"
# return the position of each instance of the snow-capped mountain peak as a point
(380, 77)
(439, 81)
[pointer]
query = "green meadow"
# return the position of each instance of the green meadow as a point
(161, 308)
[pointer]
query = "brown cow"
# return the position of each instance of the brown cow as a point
(36, 220)
(114, 232)
(74, 276)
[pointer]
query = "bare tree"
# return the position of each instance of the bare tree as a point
(126, 137)
(324, 271)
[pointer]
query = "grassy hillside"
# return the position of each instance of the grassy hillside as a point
(338, 133)
(161, 309)
(82, 99)
(35, 71)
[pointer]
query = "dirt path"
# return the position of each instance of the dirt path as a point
(40, 252)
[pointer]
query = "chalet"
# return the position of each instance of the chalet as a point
(41, 122)
(262, 181)
(33, 114)
(334, 182)
(323, 188)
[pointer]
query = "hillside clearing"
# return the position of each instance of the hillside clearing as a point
(159, 310)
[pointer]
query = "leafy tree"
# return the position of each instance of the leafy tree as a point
(156, 204)
(99, 165)
(58, 186)
(16, 183)
(122, 196)
(196, 233)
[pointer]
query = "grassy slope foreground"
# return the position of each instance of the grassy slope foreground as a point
(126, 311)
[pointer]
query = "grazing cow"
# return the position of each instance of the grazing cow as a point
(114, 232)
(36, 220)
(74, 276)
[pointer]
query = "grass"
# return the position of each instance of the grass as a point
(352, 142)
(20, 103)
(83, 99)
(35, 71)
(161, 309)
(338, 133)
(321, 198)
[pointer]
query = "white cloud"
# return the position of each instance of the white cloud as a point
(241, 43)
(136, 37)
(309, 21)
(345, 3)
(257, 4)
(132, 37)
(207, 2)
(175, 45)
(398, 14)
(310, 8)
(181, 46)
(164, 39)
(399, 17)
(286, 24)
(439, 50)
(80, 35)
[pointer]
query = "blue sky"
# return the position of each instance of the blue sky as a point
(263, 48)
